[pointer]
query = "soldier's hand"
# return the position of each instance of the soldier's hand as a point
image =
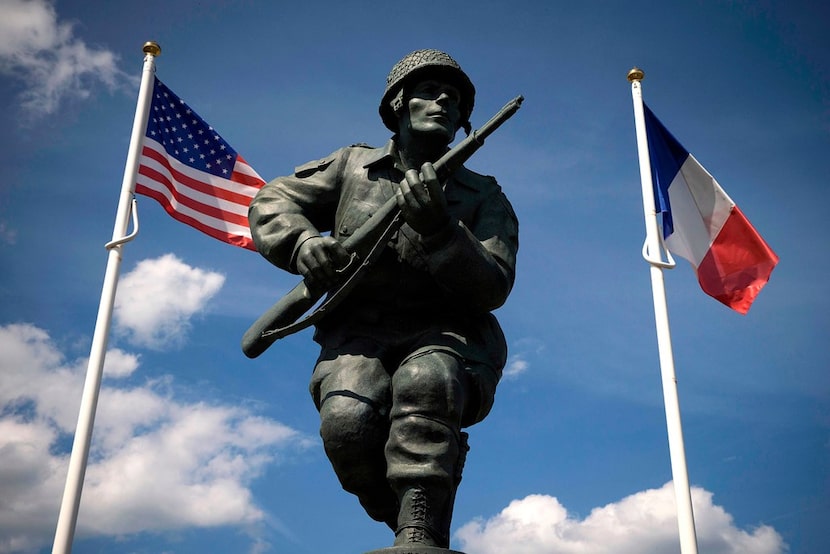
(318, 260)
(422, 201)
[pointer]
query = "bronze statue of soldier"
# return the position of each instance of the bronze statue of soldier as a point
(413, 354)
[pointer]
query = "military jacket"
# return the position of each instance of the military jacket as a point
(451, 280)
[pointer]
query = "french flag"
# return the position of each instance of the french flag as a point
(703, 225)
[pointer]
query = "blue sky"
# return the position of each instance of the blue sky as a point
(198, 449)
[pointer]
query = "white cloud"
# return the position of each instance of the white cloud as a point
(516, 365)
(155, 301)
(156, 463)
(48, 58)
(643, 522)
(118, 363)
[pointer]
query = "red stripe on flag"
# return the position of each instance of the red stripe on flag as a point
(180, 195)
(245, 179)
(236, 240)
(252, 178)
(199, 186)
(737, 265)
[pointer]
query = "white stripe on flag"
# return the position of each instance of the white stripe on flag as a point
(699, 209)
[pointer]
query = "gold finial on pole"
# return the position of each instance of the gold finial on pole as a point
(152, 47)
(636, 74)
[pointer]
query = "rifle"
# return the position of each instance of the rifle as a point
(366, 244)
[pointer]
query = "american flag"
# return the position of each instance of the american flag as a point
(193, 173)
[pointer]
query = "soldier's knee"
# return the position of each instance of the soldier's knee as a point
(433, 382)
(437, 370)
(351, 422)
(354, 435)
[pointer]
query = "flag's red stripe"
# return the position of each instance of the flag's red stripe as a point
(200, 186)
(251, 179)
(181, 197)
(245, 179)
(737, 265)
(224, 236)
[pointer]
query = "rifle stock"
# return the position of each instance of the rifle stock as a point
(280, 319)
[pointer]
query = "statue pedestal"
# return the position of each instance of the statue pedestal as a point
(414, 549)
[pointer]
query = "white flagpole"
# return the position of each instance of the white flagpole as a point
(68, 516)
(651, 252)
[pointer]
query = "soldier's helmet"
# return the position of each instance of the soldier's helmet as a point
(420, 65)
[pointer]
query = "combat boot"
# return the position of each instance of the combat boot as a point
(424, 518)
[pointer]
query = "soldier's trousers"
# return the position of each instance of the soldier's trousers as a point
(389, 423)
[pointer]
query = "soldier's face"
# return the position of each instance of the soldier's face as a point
(434, 108)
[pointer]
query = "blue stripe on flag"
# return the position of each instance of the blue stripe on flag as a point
(667, 156)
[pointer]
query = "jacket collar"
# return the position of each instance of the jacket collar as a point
(386, 156)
